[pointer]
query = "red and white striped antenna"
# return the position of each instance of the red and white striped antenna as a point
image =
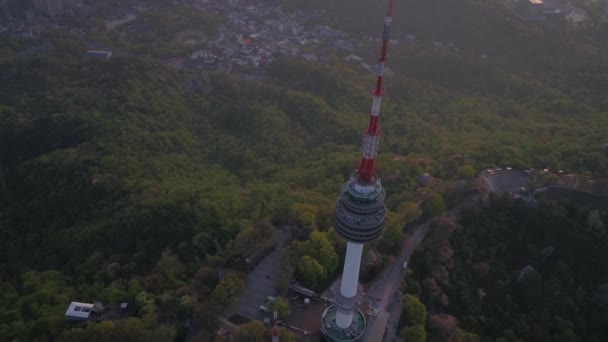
(275, 329)
(371, 138)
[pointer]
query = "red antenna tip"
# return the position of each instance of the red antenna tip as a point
(389, 11)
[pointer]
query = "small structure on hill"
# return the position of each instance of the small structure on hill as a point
(80, 312)
(99, 54)
(302, 290)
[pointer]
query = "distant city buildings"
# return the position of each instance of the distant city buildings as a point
(554, 11)
(256, 34)
(252, 35)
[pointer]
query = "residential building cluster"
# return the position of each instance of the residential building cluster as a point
(28, 18)
(253, 34)
(557, 12)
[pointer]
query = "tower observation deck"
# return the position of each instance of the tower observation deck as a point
(359, 217)
(360, 211)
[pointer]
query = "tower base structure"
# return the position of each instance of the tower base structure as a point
(359, 218)
(334, 333)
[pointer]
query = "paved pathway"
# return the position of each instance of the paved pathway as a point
(387, 287)
(261, 282)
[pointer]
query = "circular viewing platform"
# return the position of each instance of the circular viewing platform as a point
(334, 333)
(364, 194)
(360, 211)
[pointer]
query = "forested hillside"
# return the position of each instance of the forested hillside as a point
(120, 183)
(520, 90)
(516, 272)
(126, 185)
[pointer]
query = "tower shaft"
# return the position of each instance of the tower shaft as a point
(350, 282)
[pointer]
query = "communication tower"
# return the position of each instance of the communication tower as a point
(359, 216)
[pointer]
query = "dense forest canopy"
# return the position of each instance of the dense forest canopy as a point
(517, 271)
(119, 183)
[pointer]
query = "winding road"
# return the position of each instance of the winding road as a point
(385, 292)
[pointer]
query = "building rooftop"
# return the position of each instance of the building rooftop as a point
(78, 310)
(99, 54)
(302, 290)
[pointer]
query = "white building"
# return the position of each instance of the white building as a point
(78, 311)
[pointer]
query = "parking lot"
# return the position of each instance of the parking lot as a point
(261, 283)
(505, 180)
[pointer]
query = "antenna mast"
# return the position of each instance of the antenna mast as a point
(366, 173)
(275, 329)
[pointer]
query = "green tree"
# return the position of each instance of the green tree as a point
(184, 308)
(414, 312)
(566, 335)
(281, 304)
(34, 309)
(311, 270)
(411, 286)
(285, 276)
(130, 329)
(253, 331)
(466, 171)
(206, 279)
(171, 269)
(393, 234)
(305, 213)
(434, 205)
(286, 335)
(320, 247)
(414, 333)
(145, 302)
(227, 291)
(162, 333)
(246, 240)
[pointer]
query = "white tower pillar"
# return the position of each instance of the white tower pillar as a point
(350, 280)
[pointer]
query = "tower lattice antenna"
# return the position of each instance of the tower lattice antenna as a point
(369, 148)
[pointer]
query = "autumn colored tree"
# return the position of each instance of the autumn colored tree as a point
(409, 211)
